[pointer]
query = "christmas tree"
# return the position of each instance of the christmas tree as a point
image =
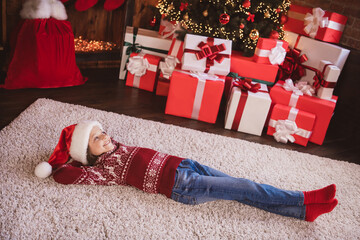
(242, 21)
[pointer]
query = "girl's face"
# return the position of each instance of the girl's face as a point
(99, 142)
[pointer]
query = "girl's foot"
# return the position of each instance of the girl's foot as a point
(323, 195)
(317, 209)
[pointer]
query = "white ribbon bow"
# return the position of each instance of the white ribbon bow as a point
(137, 65)
(169, 28)
(205, 76)
(284, 131)
(168, 66)
(277, 54)
(299, 88)
(305, 88)
(289, 86)
(314, 21)
(171, 61)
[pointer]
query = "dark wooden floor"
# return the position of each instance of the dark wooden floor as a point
(104, 91)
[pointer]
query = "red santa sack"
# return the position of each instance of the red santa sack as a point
(43, 56)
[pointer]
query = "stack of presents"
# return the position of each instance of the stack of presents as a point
(286, 87)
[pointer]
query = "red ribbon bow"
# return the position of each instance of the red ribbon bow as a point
(245, 85)
(320, 81)
(209, 51)
(292, 66)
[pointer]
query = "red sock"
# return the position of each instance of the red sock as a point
(315, 210)
(82, 5)
(110, 5)
(323, 195)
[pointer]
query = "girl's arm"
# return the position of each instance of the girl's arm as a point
(76, 173)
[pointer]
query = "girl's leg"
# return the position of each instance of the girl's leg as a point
(196, 183)
(284, 210)
(323, 195)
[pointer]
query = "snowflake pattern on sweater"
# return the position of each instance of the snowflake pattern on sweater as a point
(153, 171)
(109, 169)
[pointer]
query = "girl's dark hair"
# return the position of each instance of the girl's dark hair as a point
(91, 158)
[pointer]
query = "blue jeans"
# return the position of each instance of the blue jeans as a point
(196, 184)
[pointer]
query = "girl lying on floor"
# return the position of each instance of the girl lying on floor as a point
(97, 159)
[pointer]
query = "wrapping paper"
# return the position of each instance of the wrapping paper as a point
(162, 85)
(270, 51)
(227, 87)
(142, 71)
(290, 124)
(247, 111)
(315, 52)
(177, 50)
(203, 54)
(325, 85)
(194, 97)
(147, 41)
(314, 22)
(247, 67)
(323, 109)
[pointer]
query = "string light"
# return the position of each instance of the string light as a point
(84, 45)
(269, 12)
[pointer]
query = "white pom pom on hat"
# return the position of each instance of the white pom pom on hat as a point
(73, 143)
(43, 170)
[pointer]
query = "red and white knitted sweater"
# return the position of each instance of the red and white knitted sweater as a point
(143, 168)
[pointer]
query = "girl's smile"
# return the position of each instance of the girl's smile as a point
(99, 142)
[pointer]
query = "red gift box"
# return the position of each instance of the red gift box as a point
(195, 96)
(270, 51)
(142, 71)
(162, 86)
(290, 124)
(177, 50)
(246, 67)
(323, 109)
(316, 23)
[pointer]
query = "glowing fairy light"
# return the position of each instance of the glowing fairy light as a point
(264, 10)
(85, 45)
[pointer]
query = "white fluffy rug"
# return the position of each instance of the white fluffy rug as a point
(31, 208)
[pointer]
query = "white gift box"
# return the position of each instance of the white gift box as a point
(150, 42)
(190, 61)
(316, 51)
(331, 74)
(252, 110)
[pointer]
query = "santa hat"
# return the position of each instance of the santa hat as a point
(73, 143)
